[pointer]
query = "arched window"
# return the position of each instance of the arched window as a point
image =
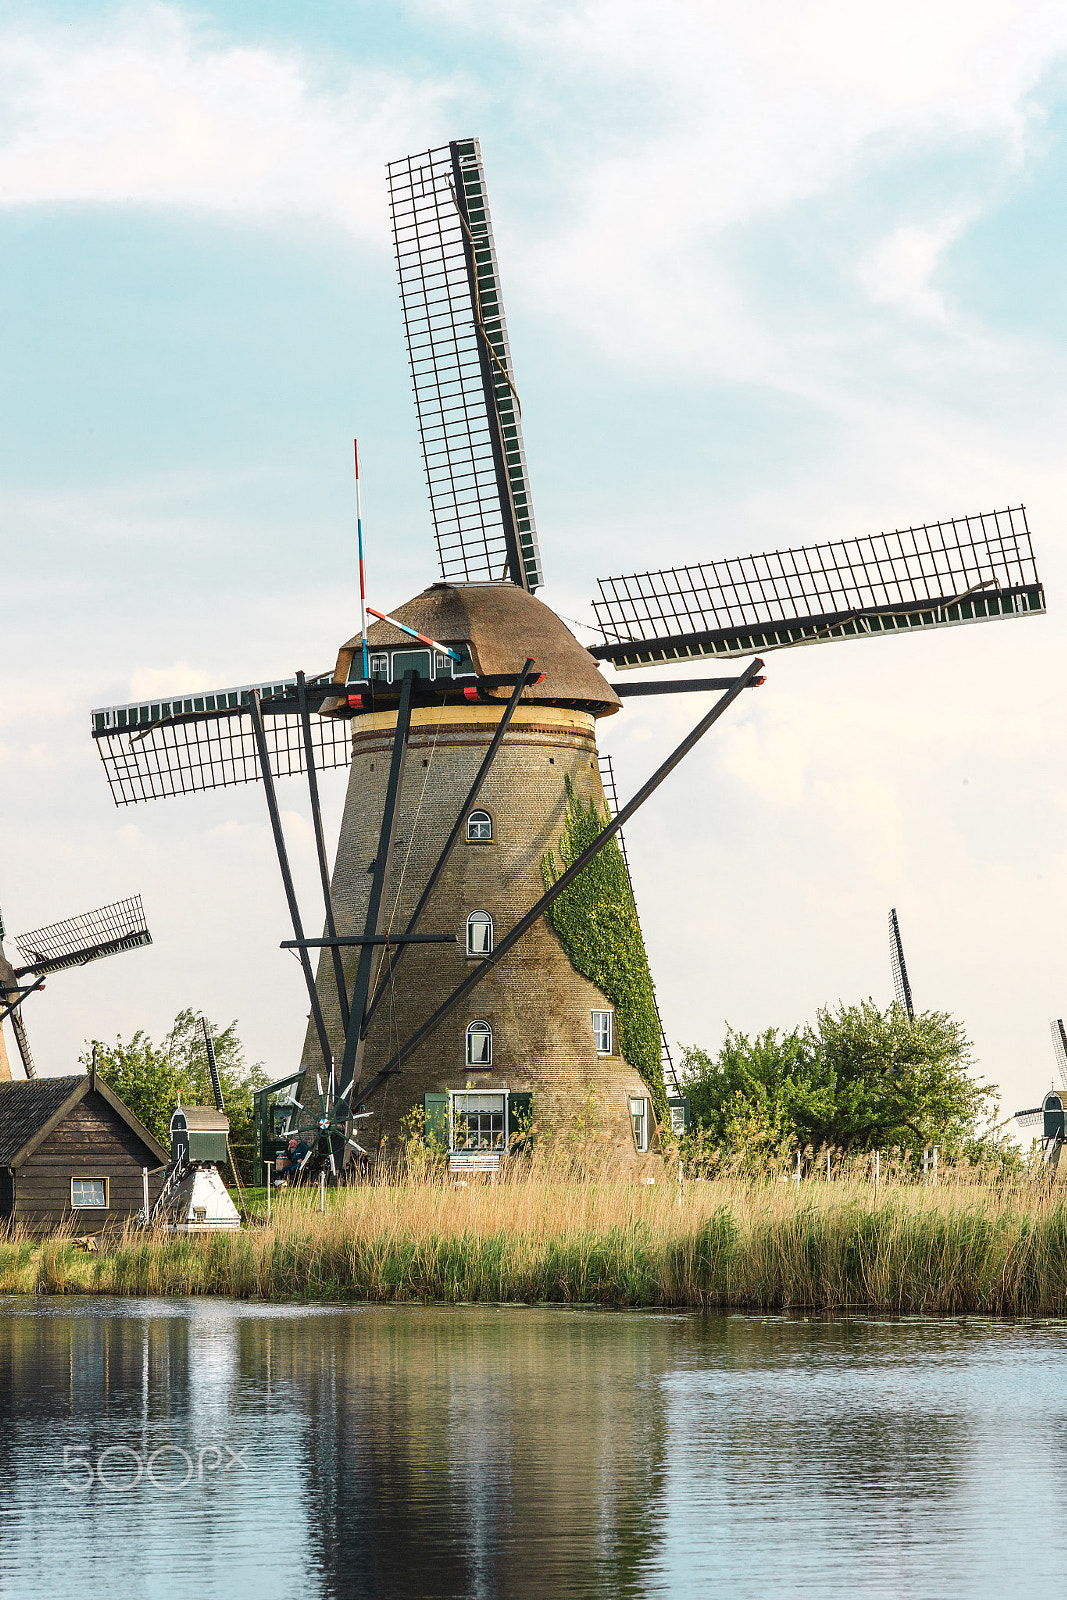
(479, 826)
(479, 933)
(479, 1045)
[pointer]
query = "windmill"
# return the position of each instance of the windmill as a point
(194, 1198)
(901, 986)
(1050, 1116)
(468, 718)
(72, 943)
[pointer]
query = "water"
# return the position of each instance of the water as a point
(221, 1450)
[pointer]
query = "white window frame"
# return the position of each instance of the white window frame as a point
(480, 919)
(604, 1031)
(84, 1205)
(484, 1031)
(677, 1119)
(378, 662)
(639, 1121)
(456, 1103)
(477, 838)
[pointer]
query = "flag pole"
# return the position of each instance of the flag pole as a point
(362, 575)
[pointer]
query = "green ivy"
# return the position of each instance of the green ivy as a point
(595, 920)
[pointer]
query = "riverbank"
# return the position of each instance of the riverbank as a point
(763, 1245)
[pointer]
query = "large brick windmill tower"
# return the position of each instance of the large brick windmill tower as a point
(481, 957)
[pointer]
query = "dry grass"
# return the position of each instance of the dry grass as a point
(735, 1242)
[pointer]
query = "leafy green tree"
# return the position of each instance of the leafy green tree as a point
(151, 1078)
(860, 1079)
(144, 1076)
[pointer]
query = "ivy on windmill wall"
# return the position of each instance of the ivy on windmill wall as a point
(595, 920)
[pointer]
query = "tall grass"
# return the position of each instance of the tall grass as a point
(829, 1247)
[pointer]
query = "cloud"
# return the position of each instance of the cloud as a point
(713, 120)
(152, 110)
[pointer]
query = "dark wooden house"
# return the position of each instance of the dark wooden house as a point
(71, 1151)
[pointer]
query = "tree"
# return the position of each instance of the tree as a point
(151, 1078)
(860, 1079)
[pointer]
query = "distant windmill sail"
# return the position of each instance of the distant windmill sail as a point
(901, 986)
(88, 937)
(969, 569)
(212, 1066)
(468, 409)
(1059, 1045)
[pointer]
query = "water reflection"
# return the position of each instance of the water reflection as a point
(267, 1451)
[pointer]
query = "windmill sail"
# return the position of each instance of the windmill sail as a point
(89, 937)
(468, 409)
(1059, 1045)
(186, 744)
(969, 569)
(901, 986)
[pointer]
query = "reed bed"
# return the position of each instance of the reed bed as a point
(733, 1243)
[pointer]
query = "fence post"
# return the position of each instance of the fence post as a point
(679, 1180)
(266, 1166)
(828, 1166)
(877, 1167)
(322, 1191)
(797, 1178)
(935, 1166)
(926, 1163)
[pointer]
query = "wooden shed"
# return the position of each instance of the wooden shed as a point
(71, 1151)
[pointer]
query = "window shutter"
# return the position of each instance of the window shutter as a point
(520, 1111)
(435, 1107)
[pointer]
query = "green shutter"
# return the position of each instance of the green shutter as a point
(435, 1129)
(520, 1116)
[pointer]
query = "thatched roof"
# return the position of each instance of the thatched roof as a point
(502, 624)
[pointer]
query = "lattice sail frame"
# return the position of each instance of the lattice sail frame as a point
(87, 937)
(461, 368)
(152, 750)
(968, 569)
(1059, 1047)
(901, 985)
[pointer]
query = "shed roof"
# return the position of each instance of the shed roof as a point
(32, 1107)
(203, 1119)
(503, 625)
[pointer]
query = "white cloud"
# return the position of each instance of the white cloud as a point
(151, 110)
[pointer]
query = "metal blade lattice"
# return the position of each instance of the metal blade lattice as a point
(469, 415)
(88, 937)
(184, 746)
(1059, 1045)
(969, 569)
(901, 986)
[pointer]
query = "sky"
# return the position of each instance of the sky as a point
(774, 274)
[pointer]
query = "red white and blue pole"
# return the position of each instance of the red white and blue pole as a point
(362, 574)
(413, 634)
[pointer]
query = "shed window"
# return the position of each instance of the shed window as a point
(639, 1118)
(479, 826)
(479, 933)
(478, 1120)
(602, 1032)
(479, 1045)
(88, 1194)
(379, 667)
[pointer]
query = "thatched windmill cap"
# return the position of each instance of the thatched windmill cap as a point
(501, 625)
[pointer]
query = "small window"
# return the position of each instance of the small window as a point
(602, 1032)
(442, 665)
(479, 826)
(639, 1118)
(479, 933)
(478, 1121)
(379, 668)
(479, 1045)
(88, 1194)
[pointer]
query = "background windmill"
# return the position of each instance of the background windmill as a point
(476, 740)
(74, 942)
